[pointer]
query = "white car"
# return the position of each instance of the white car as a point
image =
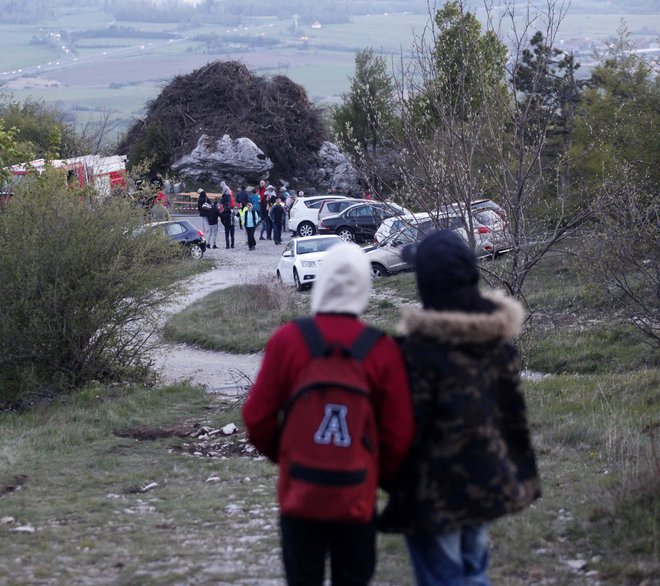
(304, 214)
(301, 259)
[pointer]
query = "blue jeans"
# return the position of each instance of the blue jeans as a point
(267, 227)
(453, 559)
(213, 235)
(277, 233)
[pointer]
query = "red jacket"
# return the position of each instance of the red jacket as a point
(286, 353)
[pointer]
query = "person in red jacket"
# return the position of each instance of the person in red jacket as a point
(340, 295)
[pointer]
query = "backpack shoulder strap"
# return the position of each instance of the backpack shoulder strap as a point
(318, 347)
(310, 332)
(365, 342)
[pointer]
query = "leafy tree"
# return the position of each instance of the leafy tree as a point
(11, 152)
(544, 81)
(367, 115)
(44, 131)
(40, 127)
(628, 268)
(465, 131)
(442, 92)
(466, 61)
(618, 122)
(82, 289)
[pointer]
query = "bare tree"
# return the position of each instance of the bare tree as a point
(466, 128)
(628, 269)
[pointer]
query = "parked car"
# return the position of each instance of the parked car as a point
(398, 223)
(304, 213)
(186, 234)
(332, 207)
(489, 204)
(499, 231)
(360, 221)
(301, 259)
(385, 256)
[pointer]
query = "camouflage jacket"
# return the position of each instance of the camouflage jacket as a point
(472, 458)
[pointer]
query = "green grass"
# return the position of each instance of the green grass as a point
(81, 469)
(80, 492)
(238, 319)
(81, 477)
(591, 350)
(601, 480)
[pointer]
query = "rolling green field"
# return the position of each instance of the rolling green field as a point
(120, 74)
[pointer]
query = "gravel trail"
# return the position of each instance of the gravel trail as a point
(218, 371)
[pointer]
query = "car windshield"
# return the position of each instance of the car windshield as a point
(487, 217)
(404, 236)
(316, 245)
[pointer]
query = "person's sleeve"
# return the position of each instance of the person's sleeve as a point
(394, 411)
(513, 415)
(260, 411)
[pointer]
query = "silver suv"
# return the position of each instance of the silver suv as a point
(332, 207)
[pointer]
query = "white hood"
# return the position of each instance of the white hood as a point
(343, 282)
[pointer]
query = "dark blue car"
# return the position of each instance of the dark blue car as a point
(184, 232)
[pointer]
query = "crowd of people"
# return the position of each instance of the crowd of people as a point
(249, 209)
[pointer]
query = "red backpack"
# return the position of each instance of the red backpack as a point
(328, 451)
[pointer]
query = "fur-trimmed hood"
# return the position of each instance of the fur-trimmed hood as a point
(455, 327)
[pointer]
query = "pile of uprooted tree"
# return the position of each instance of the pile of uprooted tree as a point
(225, 97)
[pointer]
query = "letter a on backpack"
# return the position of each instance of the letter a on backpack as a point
(334, 427)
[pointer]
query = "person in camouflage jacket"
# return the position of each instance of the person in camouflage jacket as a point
(472, 459)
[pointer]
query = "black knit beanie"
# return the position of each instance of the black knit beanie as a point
(446, 269)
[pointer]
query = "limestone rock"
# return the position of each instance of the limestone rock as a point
(236, 160)
(335, 170)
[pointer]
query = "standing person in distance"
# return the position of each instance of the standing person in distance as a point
(255, 198)
(203, 206)
(266, 201)
(472, 458)
(242, 197)
(227, 197)
(250, 222)
(277, 214)
(228, 220)
(212, 216)
(339, 297)
(285, 197)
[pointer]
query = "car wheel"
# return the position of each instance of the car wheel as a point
(196, 251)
(306, 229)
(345, 234)
(378, 271)
(296, 281)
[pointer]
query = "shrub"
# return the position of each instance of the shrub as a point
(80, 289)
(623, 261)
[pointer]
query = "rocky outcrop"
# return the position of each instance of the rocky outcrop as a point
(334, 170)
(235, 160)
(225, 97)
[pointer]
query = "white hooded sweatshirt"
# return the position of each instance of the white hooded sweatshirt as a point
(343, 283)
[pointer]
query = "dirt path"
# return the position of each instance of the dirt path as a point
(219, 371)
